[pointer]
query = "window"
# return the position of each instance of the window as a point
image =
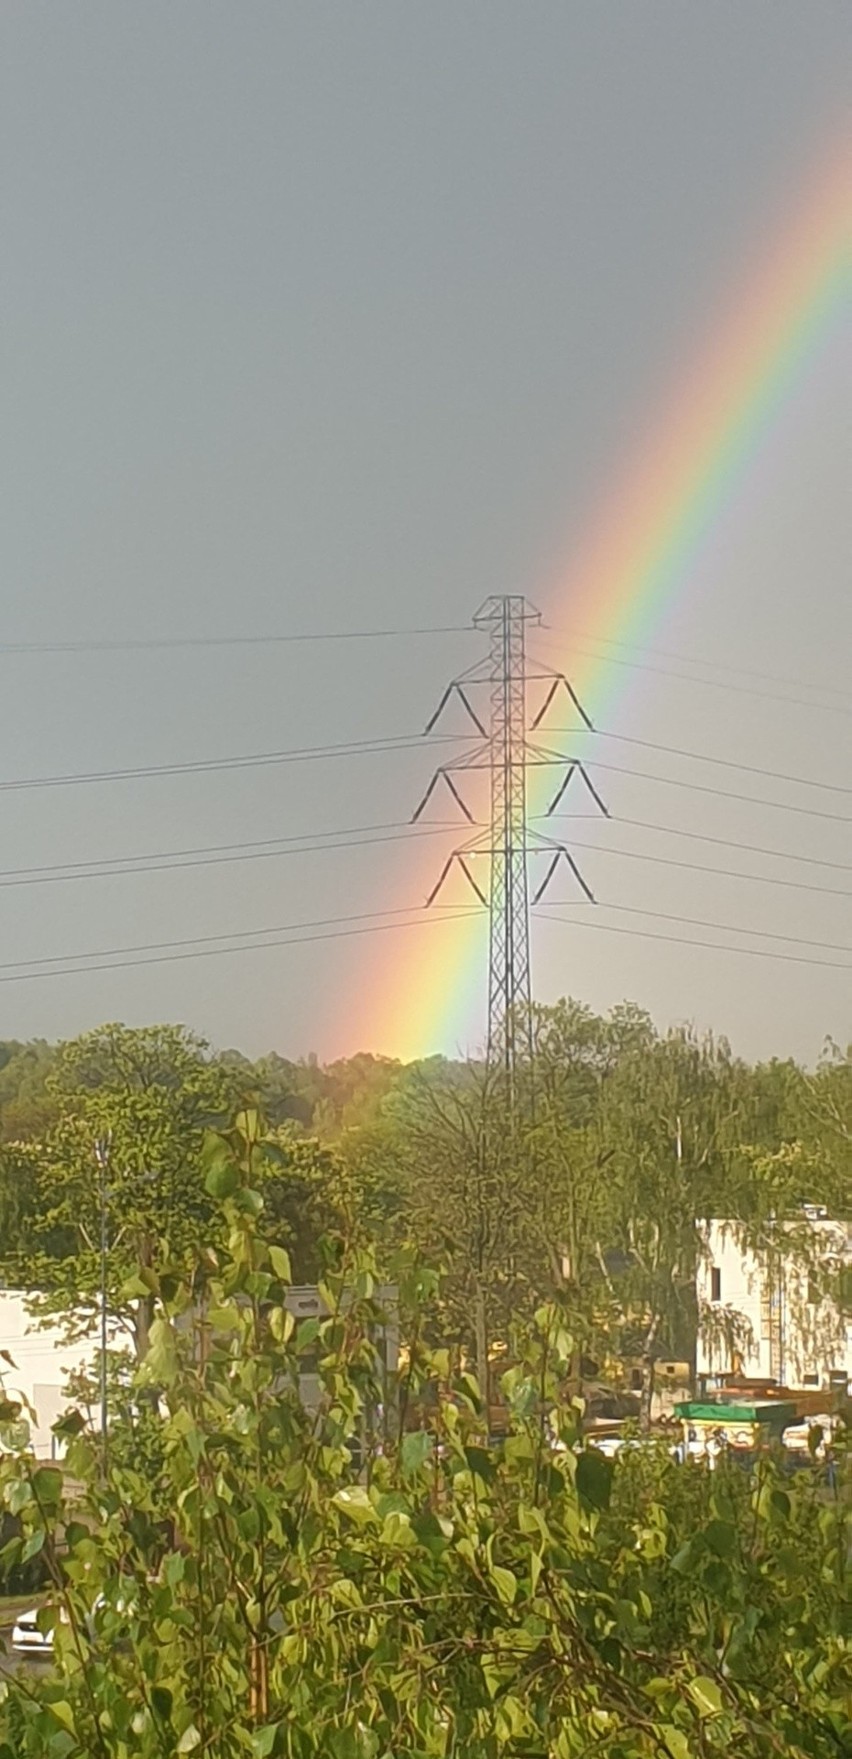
(636, 1379)
(814, 1296)
(811, 1379)
(715, 1283)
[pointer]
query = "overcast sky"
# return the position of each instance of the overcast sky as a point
(325, 317)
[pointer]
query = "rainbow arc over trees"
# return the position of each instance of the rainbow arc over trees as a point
(636, 555)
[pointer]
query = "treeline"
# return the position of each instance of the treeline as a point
(590, 1188)
(245, 1585)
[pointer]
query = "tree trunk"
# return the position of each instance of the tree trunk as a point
(482, 1371)
(648, 1362)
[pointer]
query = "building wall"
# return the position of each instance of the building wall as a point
(42, 1362)
(798, 1336)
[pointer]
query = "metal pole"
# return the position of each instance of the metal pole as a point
(102, 1148)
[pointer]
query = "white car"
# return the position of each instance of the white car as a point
(27, 1639)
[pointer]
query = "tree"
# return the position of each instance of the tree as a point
(670, 1116)
(147, 1094)
(26, 1107)
(454, 1601)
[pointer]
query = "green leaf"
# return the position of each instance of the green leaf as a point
(263, 1741)
(594, 1479)
(504, 1582)
(280, 1261)
(161, 1701)
(415, 1451)
(69, 1426)
(189, 1740)
(706, 1694)
(354, 1501)
(480, 1462)
(221, 1180)
(223, 1318)
(47, 1484)
(161, 1360)
(33, 1546)
(61, 1709)
(721, 1538)
(282, 1324)
(676, 1742)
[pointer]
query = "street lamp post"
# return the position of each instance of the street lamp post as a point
(102, 1154)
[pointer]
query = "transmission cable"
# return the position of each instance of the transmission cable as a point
(298, 754)
(413, 910)
(370, 747)
(266, 849)
(728, 763)
(291, 940)
(648, 934)
(690, 678)
(299, 939)
(145, 643)
(256, 849)
(153, 643)
(707, 788)
(645, 824)
(760, 879)
(709, 665)
(793, 940)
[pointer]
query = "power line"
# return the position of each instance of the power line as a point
(413, 910)
(677, 940)
(728, 763)
(198, 940)
(709, 665)
(414, 742)
(356, 836)
(298, 754)
(257, 849)
(793, 940)
(707, 788)
(760, 879)
(189, 641)
(717, 683)
(269, 639)
(291, 940)
(297, 938)
(643, 824)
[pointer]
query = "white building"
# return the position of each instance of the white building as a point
(777, 1314)
(41, 1361)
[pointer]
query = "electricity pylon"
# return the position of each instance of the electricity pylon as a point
(508, 841)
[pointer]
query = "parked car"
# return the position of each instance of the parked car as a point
(27, 1638)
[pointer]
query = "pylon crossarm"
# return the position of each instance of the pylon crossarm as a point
(472, 882)
(457, 858)
(537, 896)
(427, 796)
(441, 878)
(579, 877)
(592, 789)
(578, 705)
(561, 789)
(457, 796)
(563, 854)
(454, 689)
(547, 702)
(471, 710)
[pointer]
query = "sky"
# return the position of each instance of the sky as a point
(324, 319)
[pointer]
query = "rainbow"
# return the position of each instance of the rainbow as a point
(637, 552)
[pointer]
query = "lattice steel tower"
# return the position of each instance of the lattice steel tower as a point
(507, 753)
(509, 991)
